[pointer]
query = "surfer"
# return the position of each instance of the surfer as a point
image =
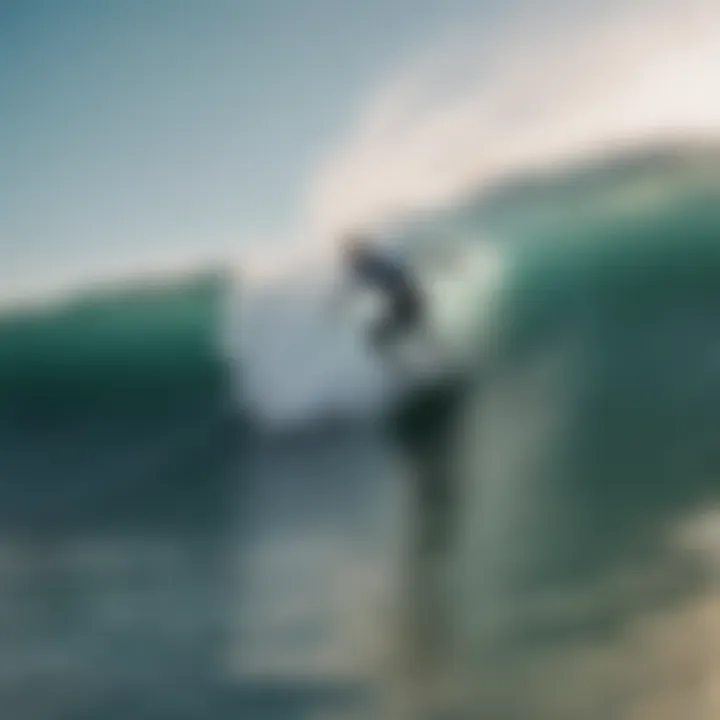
(379, 270)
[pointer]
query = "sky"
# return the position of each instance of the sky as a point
(133, 131)
(164, 133)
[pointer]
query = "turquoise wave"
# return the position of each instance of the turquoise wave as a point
(145, 344)
(112, 402)
(635, 234)
(594, 431)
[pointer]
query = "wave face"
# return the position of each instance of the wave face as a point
(590, 442)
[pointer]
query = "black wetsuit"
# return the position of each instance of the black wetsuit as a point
(380, 272)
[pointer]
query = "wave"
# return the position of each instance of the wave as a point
(626, 251)
(138, 344)
(615, 270)
(275, 346)
(116, 402)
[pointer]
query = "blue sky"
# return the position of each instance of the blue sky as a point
(133, 128)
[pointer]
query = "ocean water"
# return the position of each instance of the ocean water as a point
(164, 555)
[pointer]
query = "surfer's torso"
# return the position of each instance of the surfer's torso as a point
(388, 275)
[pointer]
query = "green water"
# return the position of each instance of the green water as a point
(145, 344)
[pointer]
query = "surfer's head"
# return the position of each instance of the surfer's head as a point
(355, 245)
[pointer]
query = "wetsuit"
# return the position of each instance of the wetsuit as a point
(391, 278)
